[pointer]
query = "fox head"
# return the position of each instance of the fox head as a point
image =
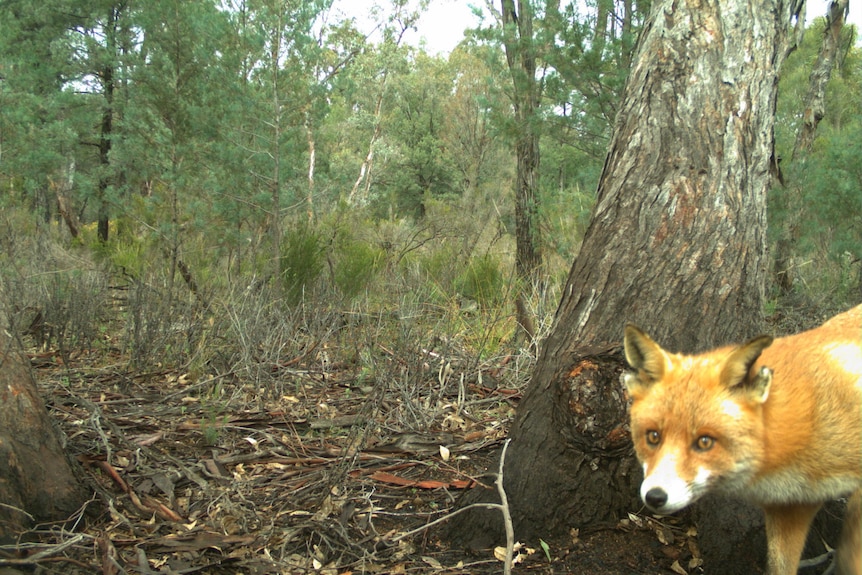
(696, 420)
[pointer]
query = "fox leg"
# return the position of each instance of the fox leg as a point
(849, 556)
(786, 530)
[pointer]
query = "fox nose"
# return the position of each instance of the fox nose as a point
(656, 498)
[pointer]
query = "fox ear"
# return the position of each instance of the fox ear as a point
(645, 356)
(735, 373)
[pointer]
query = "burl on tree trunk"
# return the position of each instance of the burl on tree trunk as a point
(36, 481)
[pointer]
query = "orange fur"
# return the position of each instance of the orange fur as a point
(776, 422)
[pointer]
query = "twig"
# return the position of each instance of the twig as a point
(187, 389)
(46, 552)
(507, 515)
(445, 518)
(17, 510)
(503, 506)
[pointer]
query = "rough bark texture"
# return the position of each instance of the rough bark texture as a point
(521, 59)
(679, 226)
(36, 481)
(676, 244)
(557, 443)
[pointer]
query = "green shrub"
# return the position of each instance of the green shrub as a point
(482, 281)
(433, 270)
(357, 264)
(302, 259)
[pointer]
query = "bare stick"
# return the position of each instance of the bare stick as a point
(507, 515)
(445, 518)
(503, 506)
(46, 552)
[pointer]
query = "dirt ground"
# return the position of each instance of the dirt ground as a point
(314, 475)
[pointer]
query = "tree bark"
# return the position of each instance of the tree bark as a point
(105, 154)
(63, 191)
(676, 243)
(107, 128)
(827, 60)
(36, 480)
(517, 21)
(275, 229)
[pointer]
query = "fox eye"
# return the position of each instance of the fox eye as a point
(653, 437)
(704, 443)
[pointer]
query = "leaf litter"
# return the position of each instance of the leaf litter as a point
(215, 475)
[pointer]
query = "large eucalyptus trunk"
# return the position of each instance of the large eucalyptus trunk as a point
(676, 243)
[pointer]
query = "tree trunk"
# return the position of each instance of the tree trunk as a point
(518, 42)
(676, 243)
(275, 227)
(827, 60)
(36, 480)
(312, 162)
(528, 259)
(603, 9)
(106, 133)
(357, 196)
(105, 152)
(63, 191)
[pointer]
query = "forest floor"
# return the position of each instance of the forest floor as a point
(310, 476)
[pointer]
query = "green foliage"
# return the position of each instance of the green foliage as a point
(214, 113)
(215, 418)
(835, 192)
(483, 281)
(565, 216)
(54, 296)
(302, 259)
(127, 253)
(420, 164)
(819, 209)
(436, 270)
(546, 548)
(356, 264)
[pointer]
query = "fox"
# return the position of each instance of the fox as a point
(775, 421)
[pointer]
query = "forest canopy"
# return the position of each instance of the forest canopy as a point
(170, 121)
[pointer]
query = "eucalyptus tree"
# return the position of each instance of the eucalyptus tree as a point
(472, 137)
(818, 111)
(520, 45)
(676, 241)
(374, 72)
(566, 62)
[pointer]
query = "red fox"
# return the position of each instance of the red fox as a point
(778, 423)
